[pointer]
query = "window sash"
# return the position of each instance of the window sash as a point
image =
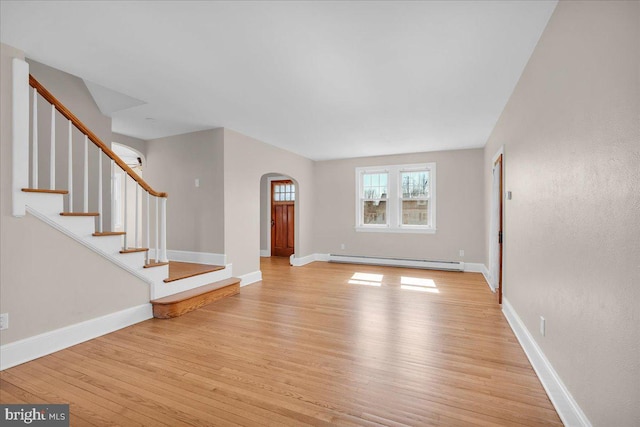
(363, 213)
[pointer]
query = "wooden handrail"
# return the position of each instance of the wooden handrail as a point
(92, 136)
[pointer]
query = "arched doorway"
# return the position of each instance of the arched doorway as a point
(278, 207)
(125, 219)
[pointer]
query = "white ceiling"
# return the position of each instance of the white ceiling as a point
(324, 79)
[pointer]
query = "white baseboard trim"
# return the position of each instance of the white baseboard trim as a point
(31, 348)
(298, 262)
(265, 253)
(249, 278)
(472, 267)
(190, 256)
(570, 413)
(487, 278)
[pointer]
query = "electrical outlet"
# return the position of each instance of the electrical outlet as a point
(461, 252)
(197, 182)
(4, 321)
(542, 326)
(343, 246)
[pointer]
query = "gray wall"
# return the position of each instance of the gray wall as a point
(73, 93)
(246, 160)
(195, 216)
(571, 138)
(47, 280)
(459, 209)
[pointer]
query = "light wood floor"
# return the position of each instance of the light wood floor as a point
(305, 347)
(181, 270)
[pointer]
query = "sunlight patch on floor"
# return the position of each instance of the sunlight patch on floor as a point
(367, 279)
(418, 284)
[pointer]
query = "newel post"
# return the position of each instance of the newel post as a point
(163, 229)
(20, 134)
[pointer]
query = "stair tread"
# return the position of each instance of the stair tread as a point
(39, 190)
(185, 295)
(182, 270)
(109, 233)
(155, 264)
(79, 214)
(133, 250)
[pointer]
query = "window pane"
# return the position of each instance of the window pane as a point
(415, 212)
(415, 184)
(375, 212)
(374, 185)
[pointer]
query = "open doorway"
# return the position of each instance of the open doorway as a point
(125, 214)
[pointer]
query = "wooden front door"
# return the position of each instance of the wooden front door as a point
(283, 196)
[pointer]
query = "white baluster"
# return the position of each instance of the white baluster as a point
(157, 230)
(137, 225)
(34, 153)
(163, 230)
(148, 225)
(52, 157)
(114, 214)
(124, 221)
(99, 191)
(70, 167)
(86, 174)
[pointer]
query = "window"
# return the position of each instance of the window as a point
(396, 198)
(284, 192)
(374, 198)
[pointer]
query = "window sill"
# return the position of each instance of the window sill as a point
(403, 230)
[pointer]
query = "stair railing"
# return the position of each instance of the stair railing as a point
(21, 154)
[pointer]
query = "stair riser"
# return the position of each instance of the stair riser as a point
(135, 260)
(160, 290)
(157, 274)
(48, 204)
(79, 225)
(168, 311)
(108, 244)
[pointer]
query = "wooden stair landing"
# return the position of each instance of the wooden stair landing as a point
(182, 270)
(184, 302)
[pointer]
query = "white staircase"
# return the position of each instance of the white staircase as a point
(49, 204)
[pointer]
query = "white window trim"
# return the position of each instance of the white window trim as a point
(394, 199)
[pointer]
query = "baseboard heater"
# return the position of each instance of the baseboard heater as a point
(398, 262)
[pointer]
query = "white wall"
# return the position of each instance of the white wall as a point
(459, 205)
(246, 160)
(571, 134)
(47, 280)
(194, 214)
